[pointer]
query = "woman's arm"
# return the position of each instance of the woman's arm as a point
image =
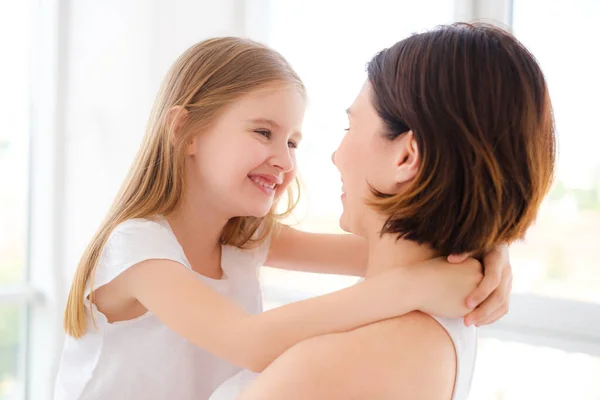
(211, 321)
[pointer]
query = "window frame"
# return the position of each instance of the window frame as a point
(41, 295)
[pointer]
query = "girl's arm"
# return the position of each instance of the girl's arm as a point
(213, 322)
(345, 254)
(340, 254)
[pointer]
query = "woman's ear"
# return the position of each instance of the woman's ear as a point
(408, 158)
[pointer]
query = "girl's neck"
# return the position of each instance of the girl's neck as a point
(198, 231)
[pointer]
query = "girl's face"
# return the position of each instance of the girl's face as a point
(246, 160)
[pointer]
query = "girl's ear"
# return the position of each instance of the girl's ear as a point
(176, 118)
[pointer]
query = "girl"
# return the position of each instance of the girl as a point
(166, 303)
(453, 126)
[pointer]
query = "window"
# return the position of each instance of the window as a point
(15, 26)
(30, 298)
(558, 258)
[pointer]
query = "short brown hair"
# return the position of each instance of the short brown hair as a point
(477, 103)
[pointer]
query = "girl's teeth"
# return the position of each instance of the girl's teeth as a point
(264, 183)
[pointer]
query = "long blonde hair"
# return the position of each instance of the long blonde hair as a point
(206, 78)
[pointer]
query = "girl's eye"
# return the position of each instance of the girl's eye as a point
(292, 145)
(264, 132)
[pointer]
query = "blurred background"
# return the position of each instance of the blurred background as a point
(77, 80)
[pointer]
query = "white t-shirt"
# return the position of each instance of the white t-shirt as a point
(142, 358)
(465, 345)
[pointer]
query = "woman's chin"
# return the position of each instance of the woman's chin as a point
(344, 224)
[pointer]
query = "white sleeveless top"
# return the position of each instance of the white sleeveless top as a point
(465, 344)
(142, 358)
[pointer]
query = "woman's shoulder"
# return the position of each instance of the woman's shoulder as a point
(410, 356)
(414, 336)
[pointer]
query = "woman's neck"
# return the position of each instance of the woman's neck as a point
(386, 252)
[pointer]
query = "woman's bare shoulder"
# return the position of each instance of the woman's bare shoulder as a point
(406, 357)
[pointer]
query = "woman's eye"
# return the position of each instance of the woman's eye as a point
(264, 132)
(292, 145)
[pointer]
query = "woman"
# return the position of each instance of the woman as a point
(450, 149)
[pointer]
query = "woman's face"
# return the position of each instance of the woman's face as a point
(367, 159)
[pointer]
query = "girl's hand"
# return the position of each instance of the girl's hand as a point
(491, 298)
(442, 288)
